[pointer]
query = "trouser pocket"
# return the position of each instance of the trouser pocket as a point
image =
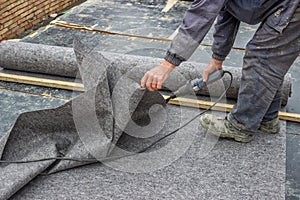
(280, 19)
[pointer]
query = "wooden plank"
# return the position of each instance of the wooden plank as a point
(200, 104)
(89, 28)
(41, 82)
(294, 117)
(69, 25)
(169, 5)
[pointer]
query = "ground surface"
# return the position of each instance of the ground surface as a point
(150, 22)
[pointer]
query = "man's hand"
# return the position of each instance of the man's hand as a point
(211, 67)
(155, 77)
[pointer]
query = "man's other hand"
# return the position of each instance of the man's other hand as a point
(154, 78)
(213, 65)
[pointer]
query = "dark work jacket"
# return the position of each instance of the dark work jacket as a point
(201, 15)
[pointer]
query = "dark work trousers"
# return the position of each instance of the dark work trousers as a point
(268, 57)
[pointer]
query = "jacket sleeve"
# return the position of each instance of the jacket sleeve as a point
(226, 29)
(197, 21)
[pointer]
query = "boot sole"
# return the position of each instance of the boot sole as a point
(268, 131)
(227, 136)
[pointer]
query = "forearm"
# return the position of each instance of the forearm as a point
(196, 23)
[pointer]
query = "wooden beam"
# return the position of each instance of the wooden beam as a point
(41, 82)
(199, 104)
(90, 28)
(75, 26)
(293, 117)
(169, 5)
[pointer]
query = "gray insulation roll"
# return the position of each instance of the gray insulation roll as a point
(61, 61)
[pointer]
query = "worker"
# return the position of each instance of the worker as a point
(268, 56)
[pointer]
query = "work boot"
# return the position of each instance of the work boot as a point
(222, 128)
(272, 126)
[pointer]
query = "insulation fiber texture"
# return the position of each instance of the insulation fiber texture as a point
(85, 127)
(113, 117)
(61, 61)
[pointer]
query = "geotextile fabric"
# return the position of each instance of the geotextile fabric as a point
(61, 61)
(85, 127)
(113, 117)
